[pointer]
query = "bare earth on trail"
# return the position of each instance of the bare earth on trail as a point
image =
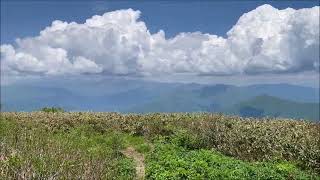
(138, 158)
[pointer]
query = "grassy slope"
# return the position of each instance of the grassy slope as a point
(31, 152)
(65, 145)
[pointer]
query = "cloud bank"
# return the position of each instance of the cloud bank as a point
(264, 40)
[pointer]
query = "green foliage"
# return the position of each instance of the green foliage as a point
(186, 139)
(173, 161)
(137, 142)
(41, 145)
(52, 109)
(29, 151)
(143, 148)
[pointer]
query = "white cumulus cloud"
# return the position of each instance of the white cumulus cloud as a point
(264, 40)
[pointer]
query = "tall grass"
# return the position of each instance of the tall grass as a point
(30, 152)
(90, 142)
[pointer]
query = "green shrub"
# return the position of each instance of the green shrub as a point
(52, 109)
(170, 161)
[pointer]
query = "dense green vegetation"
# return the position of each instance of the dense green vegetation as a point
(171, 160)
(30, 152)
(44, 145)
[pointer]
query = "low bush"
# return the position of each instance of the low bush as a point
(172, 161)
(52, 109)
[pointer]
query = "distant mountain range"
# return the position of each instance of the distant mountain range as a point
(266, 105)
(275, 100)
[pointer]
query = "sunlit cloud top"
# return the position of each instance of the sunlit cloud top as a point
(263, 41)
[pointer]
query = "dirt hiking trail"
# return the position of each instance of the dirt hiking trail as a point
(138, 159)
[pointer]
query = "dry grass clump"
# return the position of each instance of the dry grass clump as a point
(29, 151)
(243, 138)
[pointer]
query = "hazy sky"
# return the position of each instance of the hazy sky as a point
(234, 42)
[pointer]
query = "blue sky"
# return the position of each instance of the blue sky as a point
(21, 18)
(268, 44)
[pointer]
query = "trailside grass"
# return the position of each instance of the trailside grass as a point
(79, 145)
